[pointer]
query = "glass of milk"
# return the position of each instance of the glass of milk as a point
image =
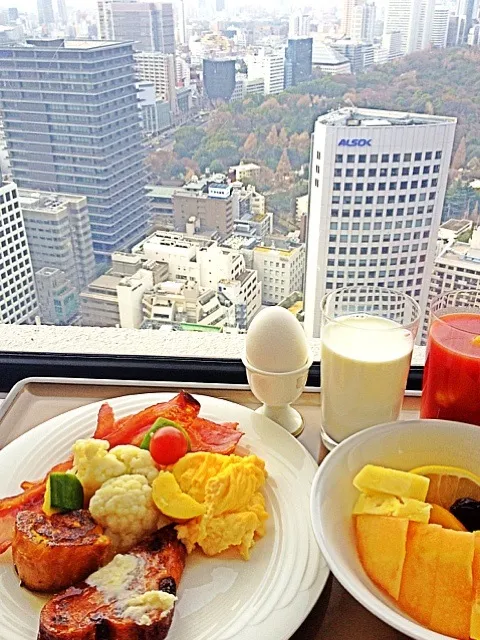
(367, 342)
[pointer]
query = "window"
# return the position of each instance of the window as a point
(339, 157)
(385, 157)
(418, 156)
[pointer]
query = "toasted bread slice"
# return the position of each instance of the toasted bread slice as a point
(104, 605)
(51, 553)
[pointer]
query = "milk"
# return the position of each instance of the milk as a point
(365, 362)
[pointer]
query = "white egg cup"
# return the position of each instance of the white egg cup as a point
(277, 391)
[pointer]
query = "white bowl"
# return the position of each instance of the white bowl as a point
(400, 445)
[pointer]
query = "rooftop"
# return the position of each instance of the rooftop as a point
(46, 201)
(354, 117)
(160, 191)
(61, 43)
(461, 255)
(455, 225)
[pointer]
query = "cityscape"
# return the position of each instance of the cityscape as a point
(178, 166)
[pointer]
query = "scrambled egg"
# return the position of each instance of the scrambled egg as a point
(229, 488)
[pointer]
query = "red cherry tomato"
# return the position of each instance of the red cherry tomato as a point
(168, 445)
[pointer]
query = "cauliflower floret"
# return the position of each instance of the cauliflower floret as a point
(124, 507)
(94, 464)
(136, 460)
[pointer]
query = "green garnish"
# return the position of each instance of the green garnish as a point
(65, 491)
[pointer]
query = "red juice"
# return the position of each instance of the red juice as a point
(451, 382)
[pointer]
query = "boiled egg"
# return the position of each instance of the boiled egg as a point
(276, 342)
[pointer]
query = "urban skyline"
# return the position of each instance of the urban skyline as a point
(81, 115)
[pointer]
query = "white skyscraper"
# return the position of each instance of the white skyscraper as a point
(299, 25)
(18, 299)
(270, 67)
(441, 16)
(377, 185)
(347, 17)
(413, 18)
(363, 22)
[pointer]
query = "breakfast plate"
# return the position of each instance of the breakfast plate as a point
(219, 598)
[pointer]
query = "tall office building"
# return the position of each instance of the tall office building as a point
(45, 12)
(268, 67)
(180, 22)
(59, 234)
(377, 186)
(149, 25)
(219, 78)
(79, 131)
(441, 16)
(413, 18)
(455, 27)
(62, 11)
(392, 43)
(18, 299)
(467, 11)
(363, 22)
(299, 55)
(299, 25)
(347, 17)
(360, 54)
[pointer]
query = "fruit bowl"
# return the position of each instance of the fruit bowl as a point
(402, 445)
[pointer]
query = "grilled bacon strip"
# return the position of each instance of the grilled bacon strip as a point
(83, 612)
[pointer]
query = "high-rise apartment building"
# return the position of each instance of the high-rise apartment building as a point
(79, 131)
(158, 68)
(413, 18)
(441, 16)
(149, 25)
(105, 19)
(18, 299)
(59, 234)
(363, 22)
(377, 186)
(299, 55)
(45, 12)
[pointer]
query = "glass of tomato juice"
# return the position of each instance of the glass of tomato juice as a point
(451, 381)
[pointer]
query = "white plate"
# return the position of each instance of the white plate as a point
(220, 598)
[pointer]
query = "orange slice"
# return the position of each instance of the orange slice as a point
(448, 484)
(443, 517)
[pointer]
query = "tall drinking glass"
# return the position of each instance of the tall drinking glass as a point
(451, 381)
(367, 342)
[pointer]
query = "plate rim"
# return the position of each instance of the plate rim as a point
(317, 587)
